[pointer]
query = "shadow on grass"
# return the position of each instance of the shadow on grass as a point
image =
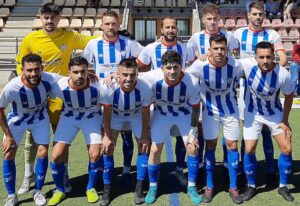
(168, 184)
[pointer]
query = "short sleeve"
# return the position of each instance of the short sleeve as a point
(88, 52)
(192, 45)
(276, 40)
(144, 57)
(106, 94)
(135, 48)
(194, 92)
(194, 69)
(149, 76)
(4, 98)
(232, 42)
(148, 95)
(286, 87)
(80, 41)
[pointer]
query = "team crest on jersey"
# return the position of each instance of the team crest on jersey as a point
(181, 99)
(94, 100)
(63, 47)
(123, 54)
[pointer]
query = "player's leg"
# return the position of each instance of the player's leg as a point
(210, 133)
(127, 154)
(231, 131)
(180, 152)
(63, 137)
(142, 160)
(251, 132)
(153, 171)
(193, 168)
(269, 156)
(284, 164)
(201, 144)
(108, 170)
(9, 174)
(93, 138)
(30, 150)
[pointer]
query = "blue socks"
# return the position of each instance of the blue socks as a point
(40, 172)
(108, 169)
(127, 148)
(142, 166)
(180, 152)
(58, 171)
(193, 167)
(268, 149)
(233, 166)
(224, 149)
(210, 166)
(201, 148)
(94, 172)
(9, 176)
(250, 165)
(153, 171)
(285, 167)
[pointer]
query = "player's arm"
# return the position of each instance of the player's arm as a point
(9, 142)
(288, 102)
(23, 50)
(107, 142)
(283, 59)
(143, 67)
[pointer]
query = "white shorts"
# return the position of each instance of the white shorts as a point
(163, 127)
(127, 123)
(68, 128)
(211, 127)
(254, 122)
(40, 131)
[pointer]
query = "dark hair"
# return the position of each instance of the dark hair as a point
(210, 8)
(218, 39)
(170, 57)
(79, 60)
(257, 5)
(31, 58)
(128, 63)
(51, 8)
(264, 45)
(110, 13)
(168, 17)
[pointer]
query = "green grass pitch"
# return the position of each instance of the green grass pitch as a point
(124, 196)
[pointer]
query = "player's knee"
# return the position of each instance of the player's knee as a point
(155, 150)
(286, 149)
(191, 150)
(94, 154)
(232, 145)
(11, 154)
(42, 151)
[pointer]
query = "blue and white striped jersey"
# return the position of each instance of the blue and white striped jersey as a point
(248, 39)
(200, 41)
(153, 52)
(79, 104)
(129, 103)
(173, 101)
(217, 86)
(106, 55)
(263, 89)
(27, 105)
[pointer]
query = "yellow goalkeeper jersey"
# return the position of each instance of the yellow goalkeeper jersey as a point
(55, 49)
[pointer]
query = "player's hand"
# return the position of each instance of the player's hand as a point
(93, 77)
(286, 129)
(108, 80)
(107, 145)
(144, 144)
(193, 137)
(8, 145)
(203, 57)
